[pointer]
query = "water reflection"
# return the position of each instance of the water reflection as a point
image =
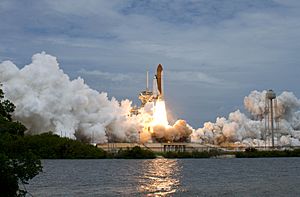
(160, 177)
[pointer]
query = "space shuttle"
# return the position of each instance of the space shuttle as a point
(158, 84)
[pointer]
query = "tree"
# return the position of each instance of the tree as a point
(17, 163)
(6, 107)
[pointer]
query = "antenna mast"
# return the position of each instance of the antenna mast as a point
(147, 78)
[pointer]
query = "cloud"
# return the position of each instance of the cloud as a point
(115, 77)
(195, 12)
(171, 76)
(189, 76)
(242, 45)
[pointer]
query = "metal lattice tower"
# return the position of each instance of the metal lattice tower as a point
(271, 119)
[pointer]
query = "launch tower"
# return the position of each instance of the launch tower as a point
(271, 119)
(158, 91)
(146, 95)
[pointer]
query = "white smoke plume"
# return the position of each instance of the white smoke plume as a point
(240, 129)
(180, 131)
(47, 100)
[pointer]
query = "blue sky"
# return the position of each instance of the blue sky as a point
(214, 52)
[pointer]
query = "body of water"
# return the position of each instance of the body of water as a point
(168, 177)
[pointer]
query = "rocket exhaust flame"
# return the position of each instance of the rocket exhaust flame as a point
(160, 114)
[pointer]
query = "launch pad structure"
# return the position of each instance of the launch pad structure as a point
(270, 117)
(157, 88)
(146, 95)
(185, 147)
(157, 92)
(159, 147)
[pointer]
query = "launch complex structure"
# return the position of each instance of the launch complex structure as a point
(148, 96)
(157, 94)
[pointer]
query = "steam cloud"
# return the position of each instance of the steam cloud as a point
(239, 128)
(179, 132)
(47, 100)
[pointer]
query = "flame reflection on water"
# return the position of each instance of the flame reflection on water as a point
(160, 177)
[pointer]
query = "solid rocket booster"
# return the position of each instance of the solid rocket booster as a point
(159, 79)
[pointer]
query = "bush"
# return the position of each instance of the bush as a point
(135, 153)
(251, 149)
(51, 146)
(272, 153)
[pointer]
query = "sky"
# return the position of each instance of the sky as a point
(214, 52)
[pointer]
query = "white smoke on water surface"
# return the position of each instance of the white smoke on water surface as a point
(47, 99)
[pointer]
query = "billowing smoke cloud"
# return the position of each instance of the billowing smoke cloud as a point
(179, 132)
(286, 106)
(47, 100)
(239, 128)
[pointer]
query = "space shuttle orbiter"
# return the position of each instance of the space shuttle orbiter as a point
(158, 83)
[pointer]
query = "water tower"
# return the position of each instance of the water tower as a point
(271, 120)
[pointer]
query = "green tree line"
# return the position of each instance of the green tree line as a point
(51, 146)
